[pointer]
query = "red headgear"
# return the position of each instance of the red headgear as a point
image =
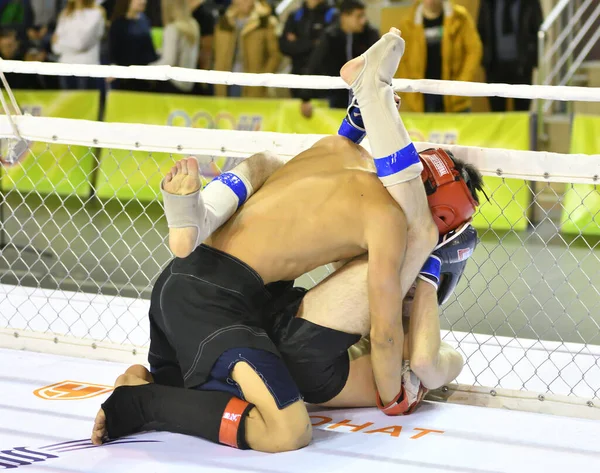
(449, 198)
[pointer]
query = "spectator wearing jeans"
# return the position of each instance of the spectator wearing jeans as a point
(347, 38)
(302, 32)
(130, 42)
(77, 39)
(508, 29)
(245, 41)
(181, 43)
(441, 43)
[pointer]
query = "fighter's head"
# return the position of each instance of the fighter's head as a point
(452, 188)
(470, 174)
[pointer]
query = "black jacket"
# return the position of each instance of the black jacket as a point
(308, 26)
(329, 56)
(530, 20)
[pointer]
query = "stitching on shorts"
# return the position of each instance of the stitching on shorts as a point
(239, 263)
(210, 283)
(162, 290)
(150, 352)
(210, 338)
(279, 403)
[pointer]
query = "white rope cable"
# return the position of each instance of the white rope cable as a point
(13, 100)
(7, 112)
(528, 165)
(436, 87)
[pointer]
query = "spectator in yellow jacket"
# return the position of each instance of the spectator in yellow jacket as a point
(245, 41)
(442, 42)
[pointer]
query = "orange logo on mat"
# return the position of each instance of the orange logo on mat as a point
(71, 391)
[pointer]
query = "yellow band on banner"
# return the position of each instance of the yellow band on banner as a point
(581, 202)
(134, 175)
(137, 175)
(60, 169)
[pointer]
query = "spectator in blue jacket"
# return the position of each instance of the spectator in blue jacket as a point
(347, 38)
(302, 32)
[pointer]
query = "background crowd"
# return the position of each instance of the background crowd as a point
(443, 41)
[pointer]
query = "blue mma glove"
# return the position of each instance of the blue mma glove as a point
(448, 261)
(353, 127)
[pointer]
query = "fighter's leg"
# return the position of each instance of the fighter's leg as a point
(360, 389)
(397, 161)
(341, 302)
(269, 428)
(258, 422)
(192, 215)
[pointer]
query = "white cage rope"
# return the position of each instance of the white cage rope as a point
(529, 165)
(291, 81)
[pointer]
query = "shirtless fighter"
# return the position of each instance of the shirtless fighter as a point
(209, 311)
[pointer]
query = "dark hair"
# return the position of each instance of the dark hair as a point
(470, 175)
(348, 6)
(8, 33)
(120, 9)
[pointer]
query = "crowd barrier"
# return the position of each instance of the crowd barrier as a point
(129, 175)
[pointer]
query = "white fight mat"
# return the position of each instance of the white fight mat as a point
(48, 404)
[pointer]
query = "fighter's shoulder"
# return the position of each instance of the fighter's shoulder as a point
(335, 143)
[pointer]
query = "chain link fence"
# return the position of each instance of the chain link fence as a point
(83, 237)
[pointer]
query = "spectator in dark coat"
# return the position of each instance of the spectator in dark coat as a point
(348, 38)
(302, 32)
(40, 22)
(131, 41)
(508, 30)
(206, 14)
(12, 48)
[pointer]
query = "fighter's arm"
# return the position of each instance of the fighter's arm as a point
(386, 241)
(433, 361)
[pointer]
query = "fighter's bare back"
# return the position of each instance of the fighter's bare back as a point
(317, 209)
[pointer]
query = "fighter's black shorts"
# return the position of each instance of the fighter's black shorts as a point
(316, 356)
(202, 307)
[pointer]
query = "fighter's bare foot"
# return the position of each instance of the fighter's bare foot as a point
(126, 379)
(99, 430)
(183, 179)
(386, 63)
(129, 380)
(141, 372)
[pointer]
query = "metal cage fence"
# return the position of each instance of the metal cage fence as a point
(82, 241)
